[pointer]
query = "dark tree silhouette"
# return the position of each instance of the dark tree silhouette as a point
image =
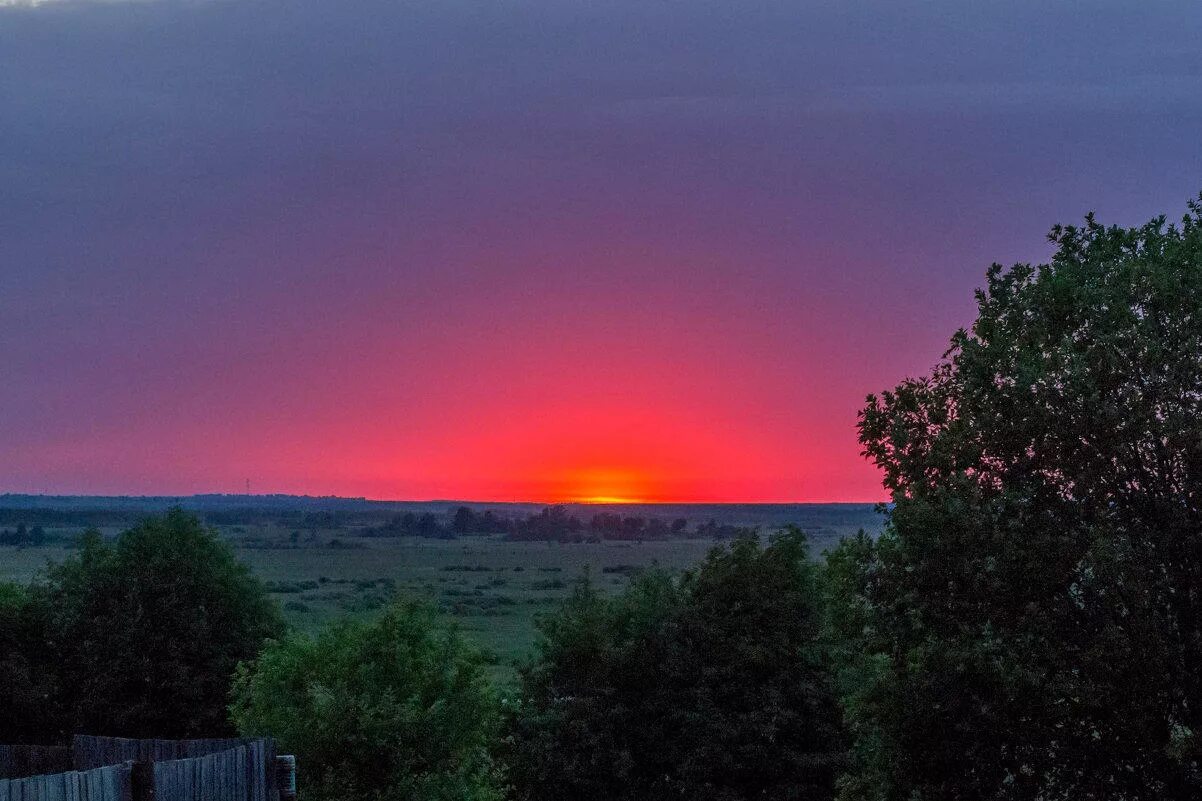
(710, 688)
(1030, 624)
(143, 634)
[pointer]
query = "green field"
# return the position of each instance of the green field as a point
(492, 588)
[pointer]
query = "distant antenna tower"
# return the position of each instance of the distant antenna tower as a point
(248, 486)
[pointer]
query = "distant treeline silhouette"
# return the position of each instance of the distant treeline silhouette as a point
(23, 535)
(554, 523)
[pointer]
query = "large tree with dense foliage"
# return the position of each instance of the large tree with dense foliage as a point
(394, 709)
(1029, 626)
(141, 636)
(712, 688)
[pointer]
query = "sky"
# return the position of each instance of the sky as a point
(536, 249)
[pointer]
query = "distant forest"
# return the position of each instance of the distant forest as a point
(554, 523)
(31, 520)
(26, 527)
(23, 535)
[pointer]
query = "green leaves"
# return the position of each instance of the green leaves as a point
(396, 708)
(1031, 610)
(140, 637)
(710, 687)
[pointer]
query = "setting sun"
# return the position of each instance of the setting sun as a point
(607, 499)
(606, 485)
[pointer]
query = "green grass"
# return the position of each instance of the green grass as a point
(492, 589)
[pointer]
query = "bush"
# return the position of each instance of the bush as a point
(1033, 610)
(142, 636)
(712, 688)
(398, 708)
(25, 684)
(288, 587)
(623, 570)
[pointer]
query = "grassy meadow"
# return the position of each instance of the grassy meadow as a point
(491, 587)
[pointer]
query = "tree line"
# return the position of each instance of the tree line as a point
(554, 524)
(1028, 626)
(23, 535)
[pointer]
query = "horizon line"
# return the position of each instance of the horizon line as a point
(366, 499)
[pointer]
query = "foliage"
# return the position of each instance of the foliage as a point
(393, 709)
(708, 688)
(556, 523)
(468, 521)
(141, 636)
(1028, 625)
(413, 524)
(24, 684)
(552, 523)
(23, 535)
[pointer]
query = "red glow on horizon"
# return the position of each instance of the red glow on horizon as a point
(469, 251)
(533, 386)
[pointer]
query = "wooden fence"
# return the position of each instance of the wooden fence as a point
(110, 783)
(120, 769)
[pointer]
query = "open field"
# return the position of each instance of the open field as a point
(493, 588)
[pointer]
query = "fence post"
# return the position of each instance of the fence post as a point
(285, 771)
(141, 780)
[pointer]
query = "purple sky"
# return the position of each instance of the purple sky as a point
(535, 249)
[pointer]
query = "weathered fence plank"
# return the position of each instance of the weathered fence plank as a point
(255, 778)
(109, 783)
(118, 769)
(221, 776)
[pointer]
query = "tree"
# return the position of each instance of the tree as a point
(1028, 626)
(709, 688)
(398, 708)
(143, 635)
(25, 684)
(463, 521)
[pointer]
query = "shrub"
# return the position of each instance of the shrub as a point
(398, 708)
(144, 633)
(711, 688)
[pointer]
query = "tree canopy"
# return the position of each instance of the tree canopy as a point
(1028, 626)
(137, 637)
(25, 685)
(712, 687)
(397, 708)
